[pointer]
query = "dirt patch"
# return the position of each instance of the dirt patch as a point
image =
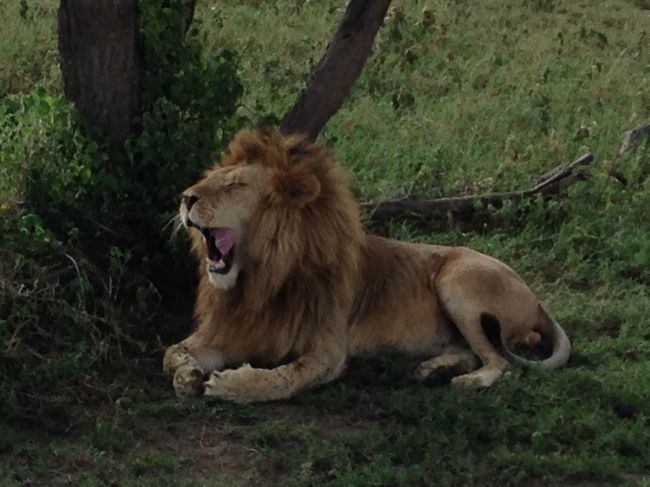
(212, 451)
(327, 424)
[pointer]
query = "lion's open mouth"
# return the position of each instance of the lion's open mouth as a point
(221, 248)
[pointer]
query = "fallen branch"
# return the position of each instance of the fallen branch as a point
(553, 182)
(631, 137)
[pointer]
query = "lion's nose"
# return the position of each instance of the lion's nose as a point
(189, 200)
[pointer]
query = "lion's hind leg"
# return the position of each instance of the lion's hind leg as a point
(467, 319)
(469, 325)
(489, 304)
(452, 362)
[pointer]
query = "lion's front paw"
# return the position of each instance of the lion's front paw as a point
(230, 384)
(175, 357)
(188, 381)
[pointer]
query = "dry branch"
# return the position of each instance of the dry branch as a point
(338, 69)
(631, 137)
(554, 182)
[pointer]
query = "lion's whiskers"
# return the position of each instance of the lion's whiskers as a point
(176, 225)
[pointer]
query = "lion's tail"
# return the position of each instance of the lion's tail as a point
(559, 340)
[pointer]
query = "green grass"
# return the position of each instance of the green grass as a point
(28, 50)
(482, 96)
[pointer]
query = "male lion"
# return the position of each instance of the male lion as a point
(291, 287)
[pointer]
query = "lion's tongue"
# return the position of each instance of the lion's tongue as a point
(224, 239)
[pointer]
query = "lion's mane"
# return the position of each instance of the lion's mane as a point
(302, 249)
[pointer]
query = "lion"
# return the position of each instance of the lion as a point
(291, 287)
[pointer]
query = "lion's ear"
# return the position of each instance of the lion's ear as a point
(298, 188)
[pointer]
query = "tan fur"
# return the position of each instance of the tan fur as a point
(310, 289)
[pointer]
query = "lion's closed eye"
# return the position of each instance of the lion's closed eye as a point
(236, 184)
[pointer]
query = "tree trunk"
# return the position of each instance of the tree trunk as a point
(338, 69)
(191, 9)
(101, 63)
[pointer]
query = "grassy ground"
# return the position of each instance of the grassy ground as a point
(459, 97)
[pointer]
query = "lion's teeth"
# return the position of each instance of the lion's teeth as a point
(216, 265)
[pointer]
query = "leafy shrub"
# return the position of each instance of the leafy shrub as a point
(48, 325)
(190, 99)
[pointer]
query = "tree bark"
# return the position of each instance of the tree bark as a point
(191, 9)
(463, 207)
(338, 69)
(101, 63)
